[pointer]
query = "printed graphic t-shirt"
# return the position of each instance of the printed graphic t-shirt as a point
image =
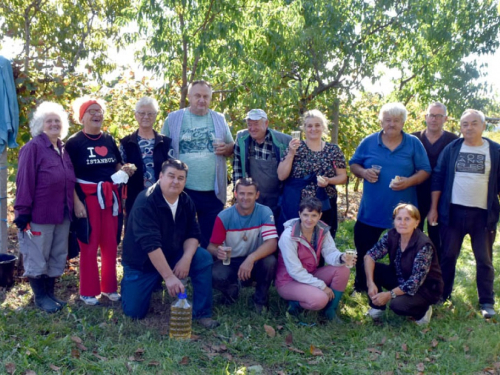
(472, 171)
(94, 160)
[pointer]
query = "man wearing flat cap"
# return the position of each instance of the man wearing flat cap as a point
(257, 153)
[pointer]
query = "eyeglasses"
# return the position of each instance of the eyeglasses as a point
(93, 112)
(433, 116)
(146, 114)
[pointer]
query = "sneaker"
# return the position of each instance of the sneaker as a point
(115, 297)
(487, 310)
(208, 323)
(426, 319)
(375, 314)
(91, 301)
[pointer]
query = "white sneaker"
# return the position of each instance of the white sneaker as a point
(91, 301)
(115, 296)
(426, 319)
(375, 314)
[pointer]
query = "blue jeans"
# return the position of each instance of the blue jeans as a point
(137, 287)
(208, 206)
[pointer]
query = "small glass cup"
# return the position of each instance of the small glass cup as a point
(349, 257)
(227, 259)
(296, 135)
(376, 168)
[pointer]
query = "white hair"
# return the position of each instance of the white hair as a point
(146, 100)
(42, 111)
(393, 109)
(79, 102)
(474, 111)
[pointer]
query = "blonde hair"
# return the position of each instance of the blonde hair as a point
(315, 113)
(412, 210)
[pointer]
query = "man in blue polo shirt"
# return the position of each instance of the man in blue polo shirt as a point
(404, 164)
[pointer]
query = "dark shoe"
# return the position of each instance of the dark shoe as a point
(42, 300)
(49, 289)
(487, 310)
(294, 308)
(208, 323)
(331, 307)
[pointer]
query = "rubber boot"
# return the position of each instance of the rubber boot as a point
(294, 308)
(331, 307)
(42, 301)
(49, 289)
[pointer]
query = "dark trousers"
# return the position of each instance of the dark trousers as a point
(208, 207)
(471, 221)
(365, 237)
(432, 231)
(406, 305)
(330, 217)
(137, 287)
(225, 278)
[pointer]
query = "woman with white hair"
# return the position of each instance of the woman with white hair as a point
(144, 148)
(391, 163)
(44, 203)
(312, 168)
(96, 158)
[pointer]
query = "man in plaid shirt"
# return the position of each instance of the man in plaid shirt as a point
(257, 153)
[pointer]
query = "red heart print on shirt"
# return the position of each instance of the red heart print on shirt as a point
(101, 150)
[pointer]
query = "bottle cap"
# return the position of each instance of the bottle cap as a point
(182, 295)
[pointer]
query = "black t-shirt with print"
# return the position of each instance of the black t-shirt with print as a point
(94, 157)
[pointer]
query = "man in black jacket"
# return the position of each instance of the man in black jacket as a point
(465, 187)
(162, 242)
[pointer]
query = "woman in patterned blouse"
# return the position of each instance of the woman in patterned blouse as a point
(412, 277)
(312, 168)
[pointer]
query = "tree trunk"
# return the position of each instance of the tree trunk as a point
(335, 121)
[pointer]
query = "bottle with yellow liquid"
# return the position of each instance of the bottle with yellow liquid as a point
(181, 317)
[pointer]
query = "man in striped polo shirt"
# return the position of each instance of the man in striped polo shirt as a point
(248, 229)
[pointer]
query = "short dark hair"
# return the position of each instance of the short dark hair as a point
(174, 163)
(311, 204)
(246, 181)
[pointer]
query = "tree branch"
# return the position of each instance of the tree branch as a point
(206, 21)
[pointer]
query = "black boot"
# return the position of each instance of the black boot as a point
(49, 289)
(42, 301)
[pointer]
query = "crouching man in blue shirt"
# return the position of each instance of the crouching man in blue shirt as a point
(162, 242)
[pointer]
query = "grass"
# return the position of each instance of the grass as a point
(100, 340)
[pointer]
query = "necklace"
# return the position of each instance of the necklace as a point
(92, 139)
(244, 237)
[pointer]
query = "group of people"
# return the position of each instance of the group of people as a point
(283, 224)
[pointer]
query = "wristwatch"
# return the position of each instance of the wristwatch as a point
(393, 294)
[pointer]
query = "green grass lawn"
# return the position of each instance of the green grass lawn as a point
(100, 340)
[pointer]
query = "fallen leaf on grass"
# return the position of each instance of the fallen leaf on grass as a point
(139, 351)
(425, 330)
(81, 347)
(496, 365)
(270, 331)
(382, 342)
(227, 356)
(466, 348)
(397, 355)
(315, 351)
(99, 356)
(373, 350)
(292, 349)
(434, 343)
(154, 363)
(75, 353)
(195, 337)
(184, 361)
(421, 367)
(489, 370)
(129, 368)
(289, 339)
(404, 347)
(54, 367)
(29, 372)
(279, 328)
(76, 339)
(314, 362)
(388, 373)
(10, 367)
(454, 338)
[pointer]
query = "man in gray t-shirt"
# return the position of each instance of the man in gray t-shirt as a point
(201, 138)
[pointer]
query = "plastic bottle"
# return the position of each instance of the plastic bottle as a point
(181, 318)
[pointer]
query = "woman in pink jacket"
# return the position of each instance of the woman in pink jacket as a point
(299, 279)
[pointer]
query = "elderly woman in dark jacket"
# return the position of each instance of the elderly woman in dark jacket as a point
(144, 148)
(44, 203)
(413, 276)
